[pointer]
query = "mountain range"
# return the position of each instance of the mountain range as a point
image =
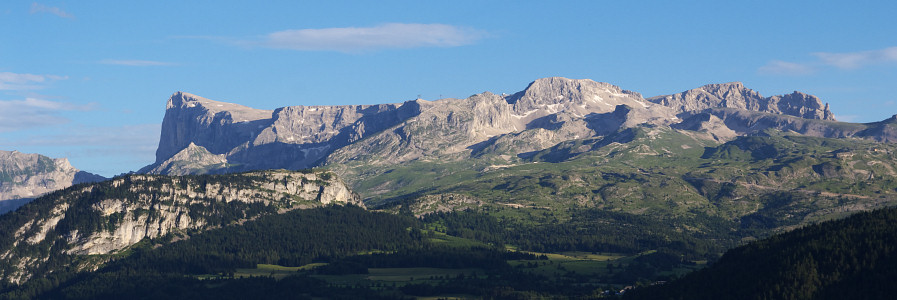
(563, 165)
(204, 136)
(201, 135)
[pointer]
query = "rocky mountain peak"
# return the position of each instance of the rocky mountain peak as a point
(735, 95)
(191, 160)
(549, 111)
(293, 137)
(190, 118)
(24, 176)
(732, 95)
(801, 105)
(720, 88)
(238, 113)
(576, 96)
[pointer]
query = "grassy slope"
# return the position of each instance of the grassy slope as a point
(779, 180)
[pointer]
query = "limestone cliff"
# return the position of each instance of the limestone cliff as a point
(107, 217)
(217, 126)
(735, 95)
(205, 136)
(237, 138)
(25, 176)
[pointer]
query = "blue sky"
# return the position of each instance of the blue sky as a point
(88, 80)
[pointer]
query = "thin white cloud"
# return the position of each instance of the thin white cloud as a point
(106, 150)
(40, 8)
(17, 82)
(854, 60)
(843, 61)
(386, 36)
(135, 63)
(778, 67)
(144, 137)
(32, 112)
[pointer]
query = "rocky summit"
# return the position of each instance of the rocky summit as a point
(205, 136)
(25, 176)
(735, 95)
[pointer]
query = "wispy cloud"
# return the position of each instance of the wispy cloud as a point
(107, 150)
(40, 8)
(32, 112)
(778, 67)
(386, 36)
(18, 82)
(853, 60)
(843, 61)
(143, 137)
(135, 63)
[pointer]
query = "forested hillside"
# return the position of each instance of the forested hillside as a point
(81, 227)
(353, 253)
(853, 258)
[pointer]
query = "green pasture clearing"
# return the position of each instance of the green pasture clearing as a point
(448, 240)
(399, 276)
(599, 256)
(276, 271)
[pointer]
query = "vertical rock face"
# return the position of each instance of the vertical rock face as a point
(26, 176)
(237, 138)
(444, 128)
(223, 137)
(735, 95)
(301, 136)
(800, 105)
(228, 137)
(548, 111)
(216, 126)
(106, 217)
(732, 95)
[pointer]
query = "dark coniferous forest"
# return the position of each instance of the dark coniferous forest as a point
(853, 258)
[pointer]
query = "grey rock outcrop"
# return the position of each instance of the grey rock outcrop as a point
(577, 97)
(707, 123)
(548, 112)
(238, 138)
(190, 161)
(745, 122)
(107, 217)
(735, 95)
(217, 126)
(25, 176)
(224, 137)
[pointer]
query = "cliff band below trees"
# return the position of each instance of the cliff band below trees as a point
(107, 217)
